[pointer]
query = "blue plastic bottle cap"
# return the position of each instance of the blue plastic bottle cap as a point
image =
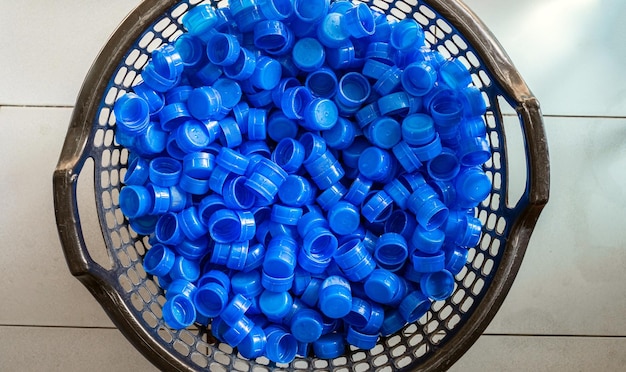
(308, 54)
(310, 11)
(167, 62)
(310, 295)
(314, 264)
(143, 225)
(289, 155)
(393, 323)
(429, 242)
(341, 57)
(377, 206)
(301, 280)
(276, 9)
(341, 135)
(164, 171)
(270, 34)
(224, 226)
(152, 141)
(209, 205)
(350, 254)
(286, 215)
(258, 149)
(474, 104)
(180, 287)
(232, 161)
(191, 224)
(418, 78)
(310, 220)
(359, 189)
(296, 191)
(428, 263)
(257, 124)
(389, 82)
(207, 74)
(407, 34)
(429, 151)
(281, 346)
(223, 49)
(229, 91)
(394, 104)
(319, 243)
(325, 171)
(360, 21)
(381, 52)
(214, 276)
(418, 129)
(446, 111)
(280, 257)
(391, 250)
(351, 155)
(198, 165)
(455, 74)
(231, 133)
(280, 126)
(200, 19)
(471, 234)
(253, 345)
(294, 102)
(474, 151)
(360, 339)
(190, 49)
(314, 146)
(344, 218)
(235, 309)
(384, 132)
(329, 346)
(243, 67)
(135, 201)
(456, 258)
(179, 312)
(210, 299)
(382, 286)
(437, 285)
(374, 69)
(276, 284)
(445, 166)
(375, 321)
(320, 114)
(359, 313)
(375, 164)
(159, 260)
(332, 31)
(185, 269)
(193, 136)
(400, 195)
(353, 90)
(220, 253)
(275, 305)
(167, 229)
(238, 331)
(473, 185)
(306, 325)
(178, 94)
(266, 74)
(284, 84)
(132, 113)
(237, 255)
(414, 306)
(335, 298)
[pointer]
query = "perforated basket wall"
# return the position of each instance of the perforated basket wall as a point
(133, 300)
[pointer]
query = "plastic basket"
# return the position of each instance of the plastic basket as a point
(133, 300)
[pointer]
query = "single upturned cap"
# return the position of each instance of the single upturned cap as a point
(437, 285)
(159, 260)
(210, 299)
(179, 312)
(418, 78)
(223, 49)
(406, 35)
(391, 250)
(353, 90)
(414, 306)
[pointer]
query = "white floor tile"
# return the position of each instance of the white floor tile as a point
(69, 350)
(538, 354)
(569, 52)
(571, 279)
(37, 288)
(48, 47)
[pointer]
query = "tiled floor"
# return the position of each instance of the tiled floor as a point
(566, 310)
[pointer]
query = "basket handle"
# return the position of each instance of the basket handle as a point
(526, 104)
